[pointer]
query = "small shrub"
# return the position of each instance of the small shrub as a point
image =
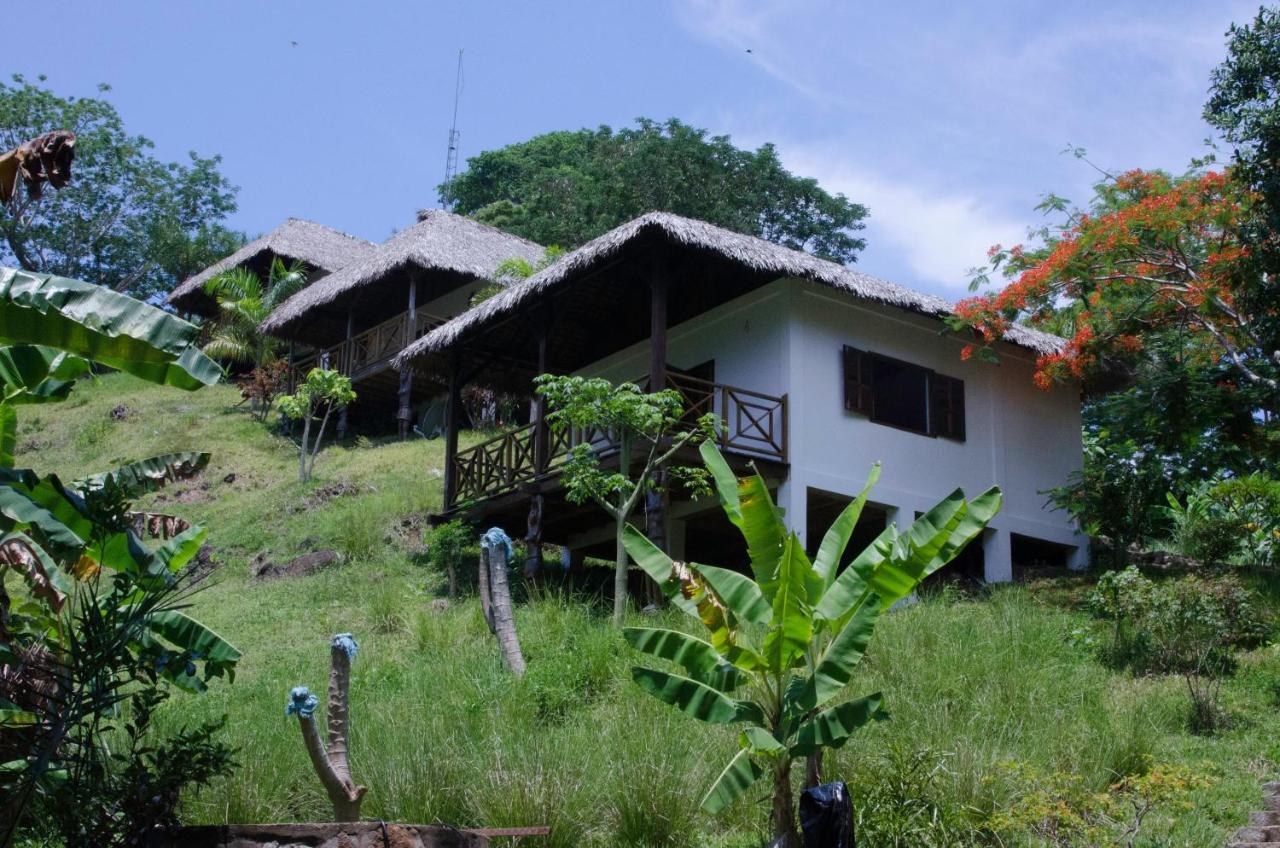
(447, 545)
(388, 612)
(1191, 626)
(359, 531)
(898, 802)
(93, 432)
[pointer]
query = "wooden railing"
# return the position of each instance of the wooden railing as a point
(751, 423)
(367, 351)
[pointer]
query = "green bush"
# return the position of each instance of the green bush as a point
(1189, 626)
(1233, 519)
(900, 801)
(448, 546)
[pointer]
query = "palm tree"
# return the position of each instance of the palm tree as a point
(244, 303)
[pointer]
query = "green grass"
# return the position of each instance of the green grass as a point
(442, 732)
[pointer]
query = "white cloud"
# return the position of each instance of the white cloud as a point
(937, 234)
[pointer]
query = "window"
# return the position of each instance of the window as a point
(901, 394)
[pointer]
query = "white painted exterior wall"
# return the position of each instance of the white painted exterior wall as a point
(787, 338)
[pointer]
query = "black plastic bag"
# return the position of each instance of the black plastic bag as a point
(826, 816)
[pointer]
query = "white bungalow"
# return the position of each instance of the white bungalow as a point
(816, 370)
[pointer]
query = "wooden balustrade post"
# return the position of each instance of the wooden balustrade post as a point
(344, 354)
(452, 423)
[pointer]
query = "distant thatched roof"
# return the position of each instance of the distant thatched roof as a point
(319, 246)
(440, 241)
(753, 253)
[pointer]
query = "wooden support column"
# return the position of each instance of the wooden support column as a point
(291, 382)
(343, 359)
(656, 500)
(541, 456)
(658, 287)
(452, 423)
(405, 413)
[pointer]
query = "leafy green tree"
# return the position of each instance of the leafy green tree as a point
(323, 392)
(127, 221)
(244, 302)
(650, 427)
(568, 187)
(108, 619)
(785, 642)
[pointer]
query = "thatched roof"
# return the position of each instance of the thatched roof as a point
(323, 248)
(440, 241)
(754, 255)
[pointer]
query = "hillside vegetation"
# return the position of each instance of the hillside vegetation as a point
(442, 732)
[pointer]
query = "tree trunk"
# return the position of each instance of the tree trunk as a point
(782, 817)
(503, 619)
(486, 597)
(813, 769)
(302, 453)
(619, 573)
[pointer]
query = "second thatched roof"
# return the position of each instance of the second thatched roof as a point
(440, 241)
(753, 253)
(323, 248)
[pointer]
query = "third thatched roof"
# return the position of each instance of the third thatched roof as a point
(321, 247)
(440, 241)
(753, 253)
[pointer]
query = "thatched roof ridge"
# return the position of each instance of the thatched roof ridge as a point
(297, 238)
(439, 241)
(755, 253)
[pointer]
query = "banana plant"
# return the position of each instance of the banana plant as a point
(64, 665)
(784, 642)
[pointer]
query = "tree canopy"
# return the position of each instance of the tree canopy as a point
(565, 188)
(127, 221)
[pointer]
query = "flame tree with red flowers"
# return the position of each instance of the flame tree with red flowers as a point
(1152, 253)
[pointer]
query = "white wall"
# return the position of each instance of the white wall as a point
(1018, 437)
(787, 338)
(744, 336)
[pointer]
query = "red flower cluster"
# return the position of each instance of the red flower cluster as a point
(1162, 250)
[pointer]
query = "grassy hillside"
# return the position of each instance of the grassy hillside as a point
(442, 733)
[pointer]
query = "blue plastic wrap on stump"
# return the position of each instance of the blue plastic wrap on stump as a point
(347, 643)
(494, 537)
(301, 703)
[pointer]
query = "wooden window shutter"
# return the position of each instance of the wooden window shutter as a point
(946, 406)
(858, 396)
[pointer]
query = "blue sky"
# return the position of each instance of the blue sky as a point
(946, 119)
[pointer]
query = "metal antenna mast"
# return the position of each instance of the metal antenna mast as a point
(451, 160)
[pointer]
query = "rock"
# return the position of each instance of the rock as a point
(302, 566)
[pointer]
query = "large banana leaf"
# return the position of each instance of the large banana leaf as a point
(8, 435)
(694, 655)
(187, 634)
(19, 511)
(836, 539)
(37, 374)
(138, 478)
(726, 482)
(689, 696)
(836, 666)
(658, 566)
(736, 779)
(792, 625)
(740, 593)
(42, 575)
(831, 728)
(104, 326)
(764, 531)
